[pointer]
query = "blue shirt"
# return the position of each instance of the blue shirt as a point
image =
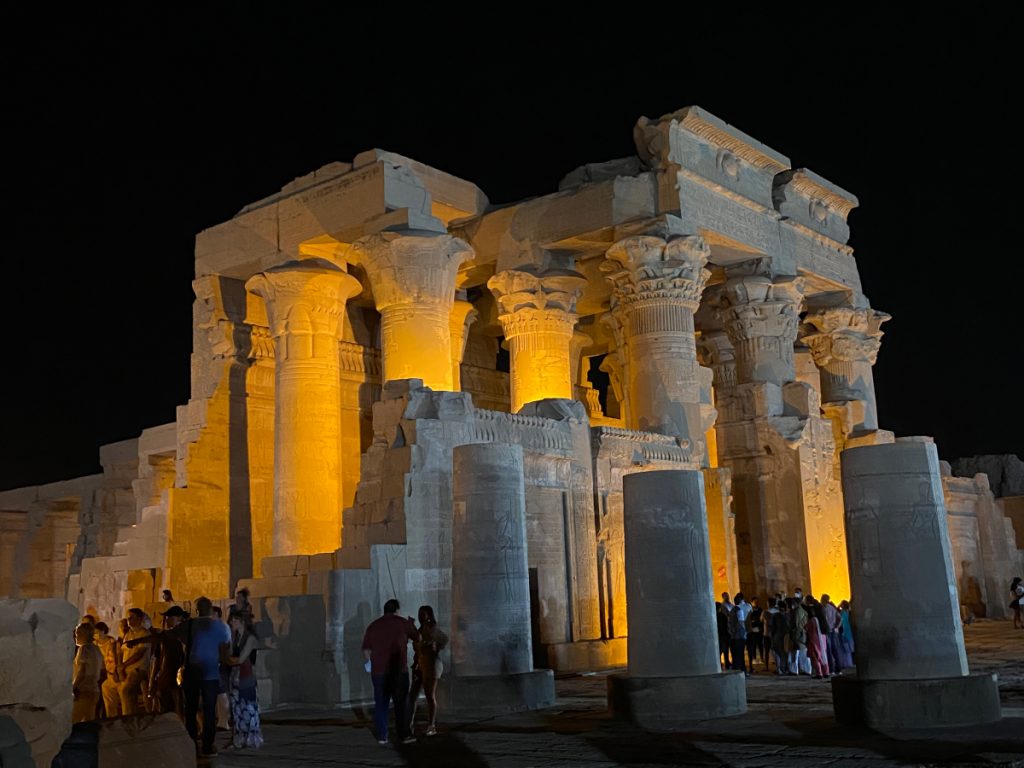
(207, 636)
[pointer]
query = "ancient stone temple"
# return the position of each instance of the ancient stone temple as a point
(693, 307)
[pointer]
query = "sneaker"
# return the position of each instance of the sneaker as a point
(382, 741)
(410, 739)
(431, 731)
(212, 752)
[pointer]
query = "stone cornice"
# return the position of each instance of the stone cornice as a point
(654, 144)
(813, 187)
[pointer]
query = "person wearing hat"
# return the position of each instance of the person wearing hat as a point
(168, 659)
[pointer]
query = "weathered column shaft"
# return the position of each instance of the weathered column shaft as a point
(898, 542)
(490, 577)
(306, 309)
(413, 280)
(462, 316)
(538, 318)
(656, 287)
(669, 602)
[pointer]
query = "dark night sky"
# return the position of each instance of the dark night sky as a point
(129, 131)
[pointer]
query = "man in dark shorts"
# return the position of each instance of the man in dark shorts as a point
(385, 647)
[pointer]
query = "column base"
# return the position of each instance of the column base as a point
(666, 703)
(926, 703)
(490, 695)
(587, 655)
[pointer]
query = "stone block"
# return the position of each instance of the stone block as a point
(317, 582)
(875, 437)
(667, 703)
(280, 565)
(926, 703)
(323, 561)
(351, 557)
(275, 586)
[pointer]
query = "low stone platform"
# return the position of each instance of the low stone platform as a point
(486, 696)
(669, 703)
(926, 703)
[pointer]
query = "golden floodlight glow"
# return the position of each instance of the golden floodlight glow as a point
(538, 318)
(306, 309)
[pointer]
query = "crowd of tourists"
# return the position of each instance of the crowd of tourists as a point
(792, 635)
(198, 667)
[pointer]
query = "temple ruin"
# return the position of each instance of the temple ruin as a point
(693, 307)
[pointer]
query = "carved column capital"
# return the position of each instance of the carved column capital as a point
(304, 298)
(645, 268)
(760, 315)
(537, 314)
(844, 333)
(411, 268)
(413, 275)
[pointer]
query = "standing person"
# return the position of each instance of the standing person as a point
(427, 667)
(109, 687)
(242, 603)
(245, 706)
(722, 619)
(845, 636)
(85, 684)
(207, 645)
(135, 661)
(168, 659)
(738, 632)
(798, 661)
(778, 629)
(166, 596)
(815, 641)
(831, 629)
(384, 648)
(1016, 595)
(224, 681)
(755, 633)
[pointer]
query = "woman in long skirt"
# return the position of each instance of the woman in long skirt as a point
(245, 706)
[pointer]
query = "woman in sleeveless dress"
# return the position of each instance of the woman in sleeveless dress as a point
(427, 668)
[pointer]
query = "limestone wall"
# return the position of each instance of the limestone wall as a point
(985, 557)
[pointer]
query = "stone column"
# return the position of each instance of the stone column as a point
(760, 428)
(537, 313)
(306, 309)
(674, 670)
(909, 673)
(463, 315)
(656, 287)
(845, 344)
(412, 276)
(492, 654)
